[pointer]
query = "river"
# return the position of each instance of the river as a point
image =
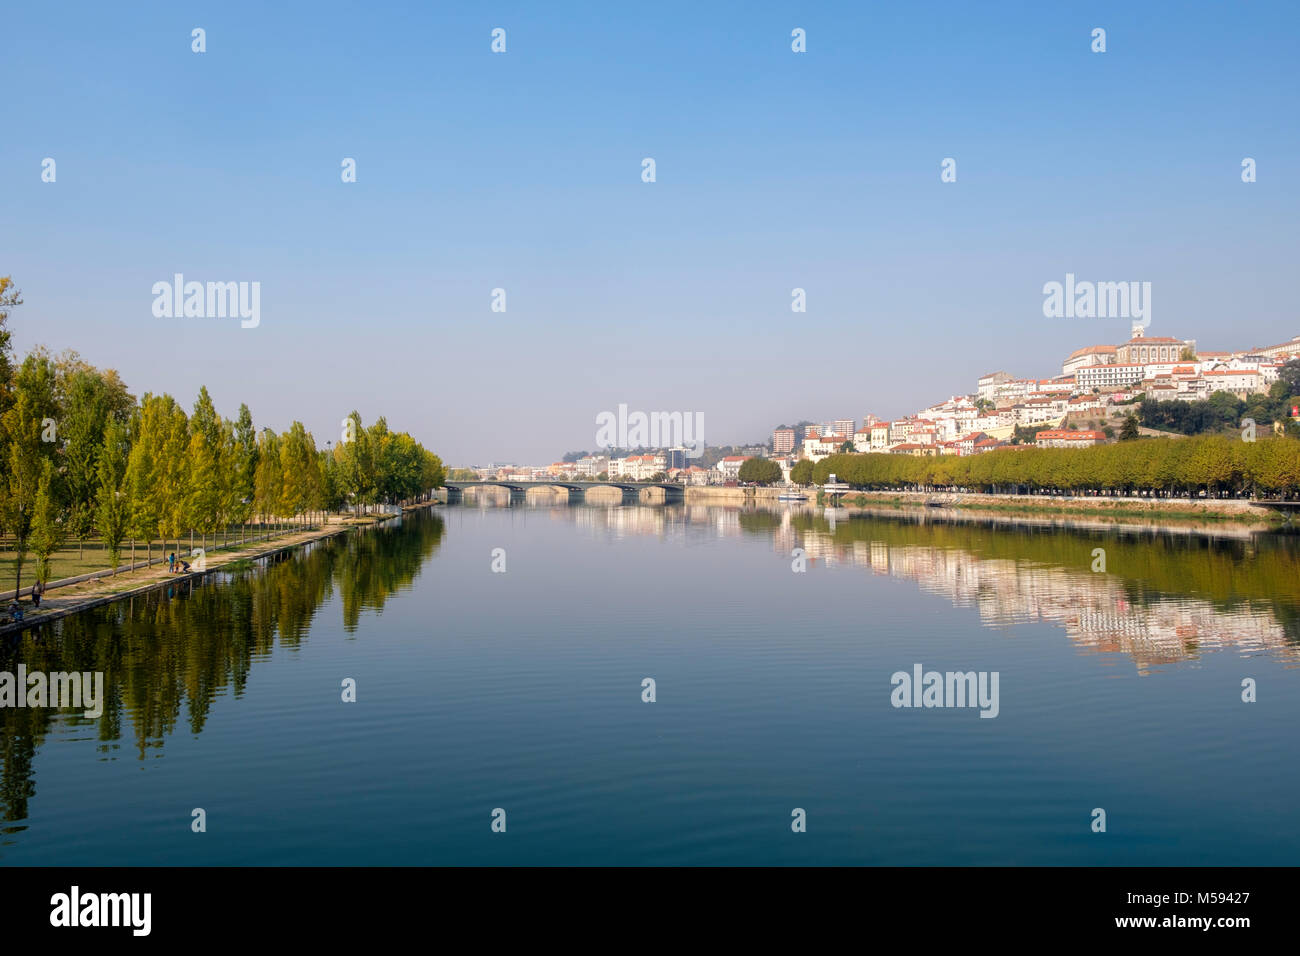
(499, 656)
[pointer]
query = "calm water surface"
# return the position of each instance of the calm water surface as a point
(522, 690)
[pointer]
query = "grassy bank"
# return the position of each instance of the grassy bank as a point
(63, 599)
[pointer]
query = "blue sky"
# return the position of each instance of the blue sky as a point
(521, 170)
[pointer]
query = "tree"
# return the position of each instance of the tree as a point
(802, 472)
(356, 463)
(1288, 375)
(1130, 429)
(435, 475)
(47, 524)
(204, 494)
(267, 480)
(23, 427)
(300, 480)
(331, 495)
(173, 519)
(146, 472)
(240, 465)
(383, 468)
(87, 400)
(762, 471)
(113, 512)
(205, 479)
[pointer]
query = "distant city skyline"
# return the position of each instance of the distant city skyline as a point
(775, 171)
(1074, 368)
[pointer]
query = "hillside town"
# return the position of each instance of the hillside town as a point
(1096, 389)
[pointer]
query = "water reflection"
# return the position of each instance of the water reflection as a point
(167, 655)
(1164, 597)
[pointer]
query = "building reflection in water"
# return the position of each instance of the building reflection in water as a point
(1165, 597)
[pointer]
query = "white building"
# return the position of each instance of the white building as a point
(815, 449)
(880, 436)
(1108, 376)
(988, 384)
(729, 467)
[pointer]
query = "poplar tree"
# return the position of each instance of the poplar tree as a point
(174, 467)
(22, 426)
(88, 399)
(300, 482)
(267, 478)
(204, 479)
(241, 466)
(356, 463)
(113, 510)
(47, 526)
(144, 475)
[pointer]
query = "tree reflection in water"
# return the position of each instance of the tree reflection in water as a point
(167, 655)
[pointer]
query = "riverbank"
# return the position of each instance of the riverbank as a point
(1159, 510)
(74, 595)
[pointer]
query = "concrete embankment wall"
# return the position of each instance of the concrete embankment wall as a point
(1233, 508)
(698, 494)
(1226, 508)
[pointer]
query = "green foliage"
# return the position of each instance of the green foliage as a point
(762, 471)
(1210, 465)
(802, 472)
(301, 484)
(267, 480)
(22, 428)
(113, 511)
(78, 456)
(87, 399)
(1222, 412)
(47, 523)
(1288, 378)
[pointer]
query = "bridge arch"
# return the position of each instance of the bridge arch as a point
(671, 490)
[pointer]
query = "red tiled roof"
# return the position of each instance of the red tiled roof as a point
(1066, 433)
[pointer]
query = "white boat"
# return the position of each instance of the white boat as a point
(792, 496)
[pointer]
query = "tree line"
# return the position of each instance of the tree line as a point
(1214, 466)
(79, 456)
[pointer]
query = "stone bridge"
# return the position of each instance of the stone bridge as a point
(577, 489)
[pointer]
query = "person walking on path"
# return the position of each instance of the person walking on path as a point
(37, 591)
